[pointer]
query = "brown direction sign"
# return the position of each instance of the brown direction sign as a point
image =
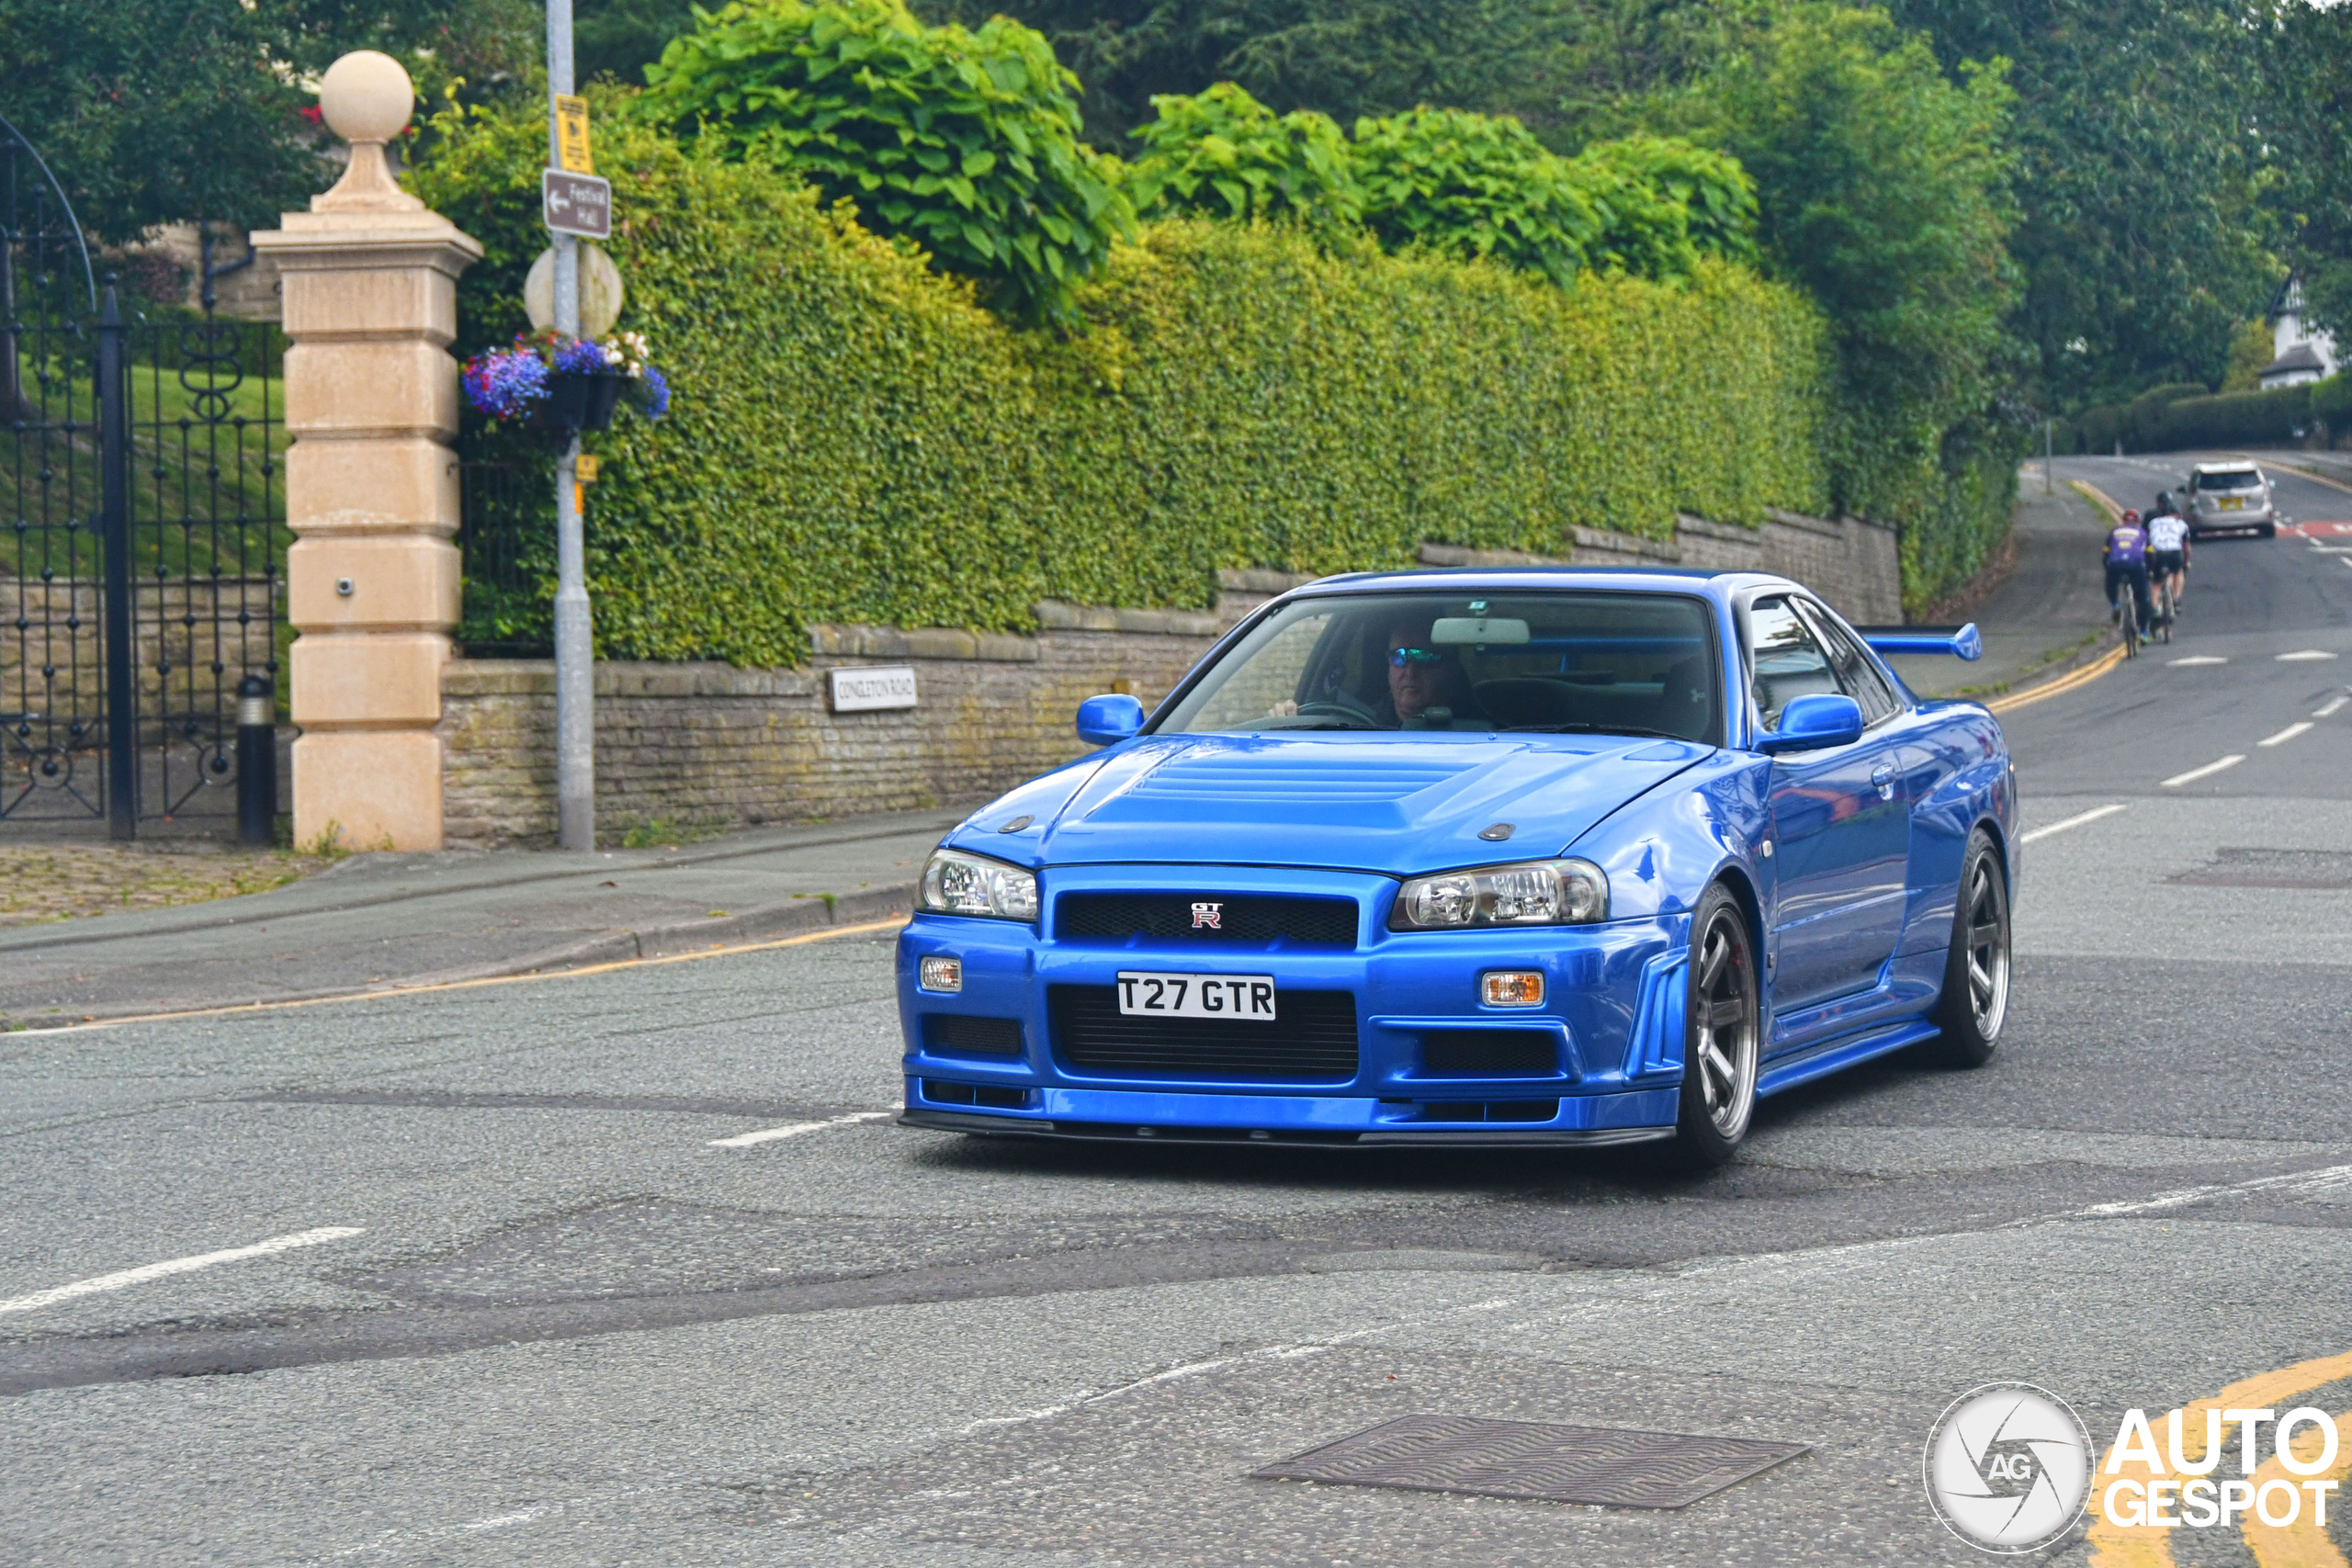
(576, 204)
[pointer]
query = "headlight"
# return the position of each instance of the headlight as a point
(957, 884)
(1533, 893)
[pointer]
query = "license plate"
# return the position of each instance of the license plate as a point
(1228, 998)
(2231, 503)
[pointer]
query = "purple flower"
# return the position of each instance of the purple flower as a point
(652, 393)
(506, 382)
(580, 357)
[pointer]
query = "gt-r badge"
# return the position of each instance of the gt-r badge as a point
(1208, 917)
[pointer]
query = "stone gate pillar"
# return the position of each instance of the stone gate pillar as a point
(370, 280)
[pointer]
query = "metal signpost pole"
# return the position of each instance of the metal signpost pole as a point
(575, 675)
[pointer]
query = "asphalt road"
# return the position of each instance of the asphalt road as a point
(562, 1319)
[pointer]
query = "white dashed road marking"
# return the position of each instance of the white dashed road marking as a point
(2232, 760)
(175, 1266)
(794, 1129)
(2091, 815)
(2330, 707)
(2286, 733)
(2306, 655)
(2194, 659)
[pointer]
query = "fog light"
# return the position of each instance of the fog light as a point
(1512, 987)
(939, 973)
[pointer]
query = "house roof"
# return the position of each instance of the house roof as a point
(2300, 356)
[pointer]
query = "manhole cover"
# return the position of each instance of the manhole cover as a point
(2273, 868)
(1536, 1459)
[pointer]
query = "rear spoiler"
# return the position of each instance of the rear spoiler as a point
(1960, 642)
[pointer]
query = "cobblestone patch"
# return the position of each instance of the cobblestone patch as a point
(63, 882)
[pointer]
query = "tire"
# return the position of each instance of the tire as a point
(1975, 1002)
(2127, 620)
(2269, 530)
(2164, 617)
(1723, 1038)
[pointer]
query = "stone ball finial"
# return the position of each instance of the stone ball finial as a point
(367, 96)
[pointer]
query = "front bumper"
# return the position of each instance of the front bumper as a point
(1608, 1033)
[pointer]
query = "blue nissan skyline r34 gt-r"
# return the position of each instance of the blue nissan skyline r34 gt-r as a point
(1536, 855)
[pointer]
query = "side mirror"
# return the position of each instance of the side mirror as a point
(1108, 719)
(1813, 724)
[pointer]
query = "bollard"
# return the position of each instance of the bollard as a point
(256, 761)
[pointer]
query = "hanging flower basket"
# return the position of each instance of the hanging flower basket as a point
(561, 384)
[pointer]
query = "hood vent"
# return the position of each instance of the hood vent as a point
(1227, 778)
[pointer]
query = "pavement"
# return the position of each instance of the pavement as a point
(2048, 615)
(627, 1263)
(377, 921)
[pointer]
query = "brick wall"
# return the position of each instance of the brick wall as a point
(708, 745)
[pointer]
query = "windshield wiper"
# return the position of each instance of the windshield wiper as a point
(1632, 729)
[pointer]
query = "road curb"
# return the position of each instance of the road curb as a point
(810, 912)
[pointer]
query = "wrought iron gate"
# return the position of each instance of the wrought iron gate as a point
(142, 557)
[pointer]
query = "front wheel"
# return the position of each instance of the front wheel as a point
(1976, 973)
(1722, 1032)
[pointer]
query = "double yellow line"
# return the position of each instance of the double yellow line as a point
(869, 928)
(2303, 1544)
(2063, 684)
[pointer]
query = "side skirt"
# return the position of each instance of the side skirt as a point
(1844, 1054)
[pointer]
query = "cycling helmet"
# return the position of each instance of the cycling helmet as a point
(2130, 516)
(2164, 500)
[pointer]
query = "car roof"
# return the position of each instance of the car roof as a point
(1661, 578)
(2237, 467)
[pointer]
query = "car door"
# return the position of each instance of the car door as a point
(1887, 737)
(1832, 816)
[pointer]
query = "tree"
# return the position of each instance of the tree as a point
(964, 142)
(2137, 240)
(175, 110)
(1224, 153)
(2309, 104)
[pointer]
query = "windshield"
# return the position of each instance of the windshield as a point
(2236, 479)
(1564, 662)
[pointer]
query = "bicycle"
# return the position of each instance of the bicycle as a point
(2160, 607)
(2127, 618)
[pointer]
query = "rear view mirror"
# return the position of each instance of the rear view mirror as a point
(1814, 723)
(1108, 719)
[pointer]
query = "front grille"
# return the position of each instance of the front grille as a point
(961, 1035)
(1314, 1036)
(1170, 917)
(1447, 1053)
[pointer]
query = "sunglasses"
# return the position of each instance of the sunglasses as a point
(1402, 658)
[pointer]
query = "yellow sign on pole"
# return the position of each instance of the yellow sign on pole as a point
(571, 136)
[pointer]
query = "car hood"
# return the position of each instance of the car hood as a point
(1400, 804)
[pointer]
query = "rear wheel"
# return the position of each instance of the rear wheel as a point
(2270, 530)
(1722, 1032)
(1976, 973)
(2163, 613)
(2128, 619)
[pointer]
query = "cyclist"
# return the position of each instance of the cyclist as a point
(2167, 547)
(2126, 554)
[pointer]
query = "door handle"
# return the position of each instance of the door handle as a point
(1883, 777)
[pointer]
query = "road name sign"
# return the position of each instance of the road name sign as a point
(866, 690)
(576, 204)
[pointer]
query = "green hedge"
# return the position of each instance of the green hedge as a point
(2233, 419)
(854, 438)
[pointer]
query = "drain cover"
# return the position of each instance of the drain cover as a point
(1536, 1459)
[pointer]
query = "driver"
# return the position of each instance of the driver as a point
(1423, 681)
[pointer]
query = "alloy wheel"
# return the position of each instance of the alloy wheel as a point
(1723, 1045)
(1988, 948)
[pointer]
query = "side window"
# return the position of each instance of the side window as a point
(1855, 672)
(1784, 659)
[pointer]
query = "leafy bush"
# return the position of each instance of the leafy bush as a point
(964, 143)
(1473, 186)
(1225, 154)
(2234, 419)
(2142, 419)
(1664, 200)
(2332, 405)
(857, 439)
